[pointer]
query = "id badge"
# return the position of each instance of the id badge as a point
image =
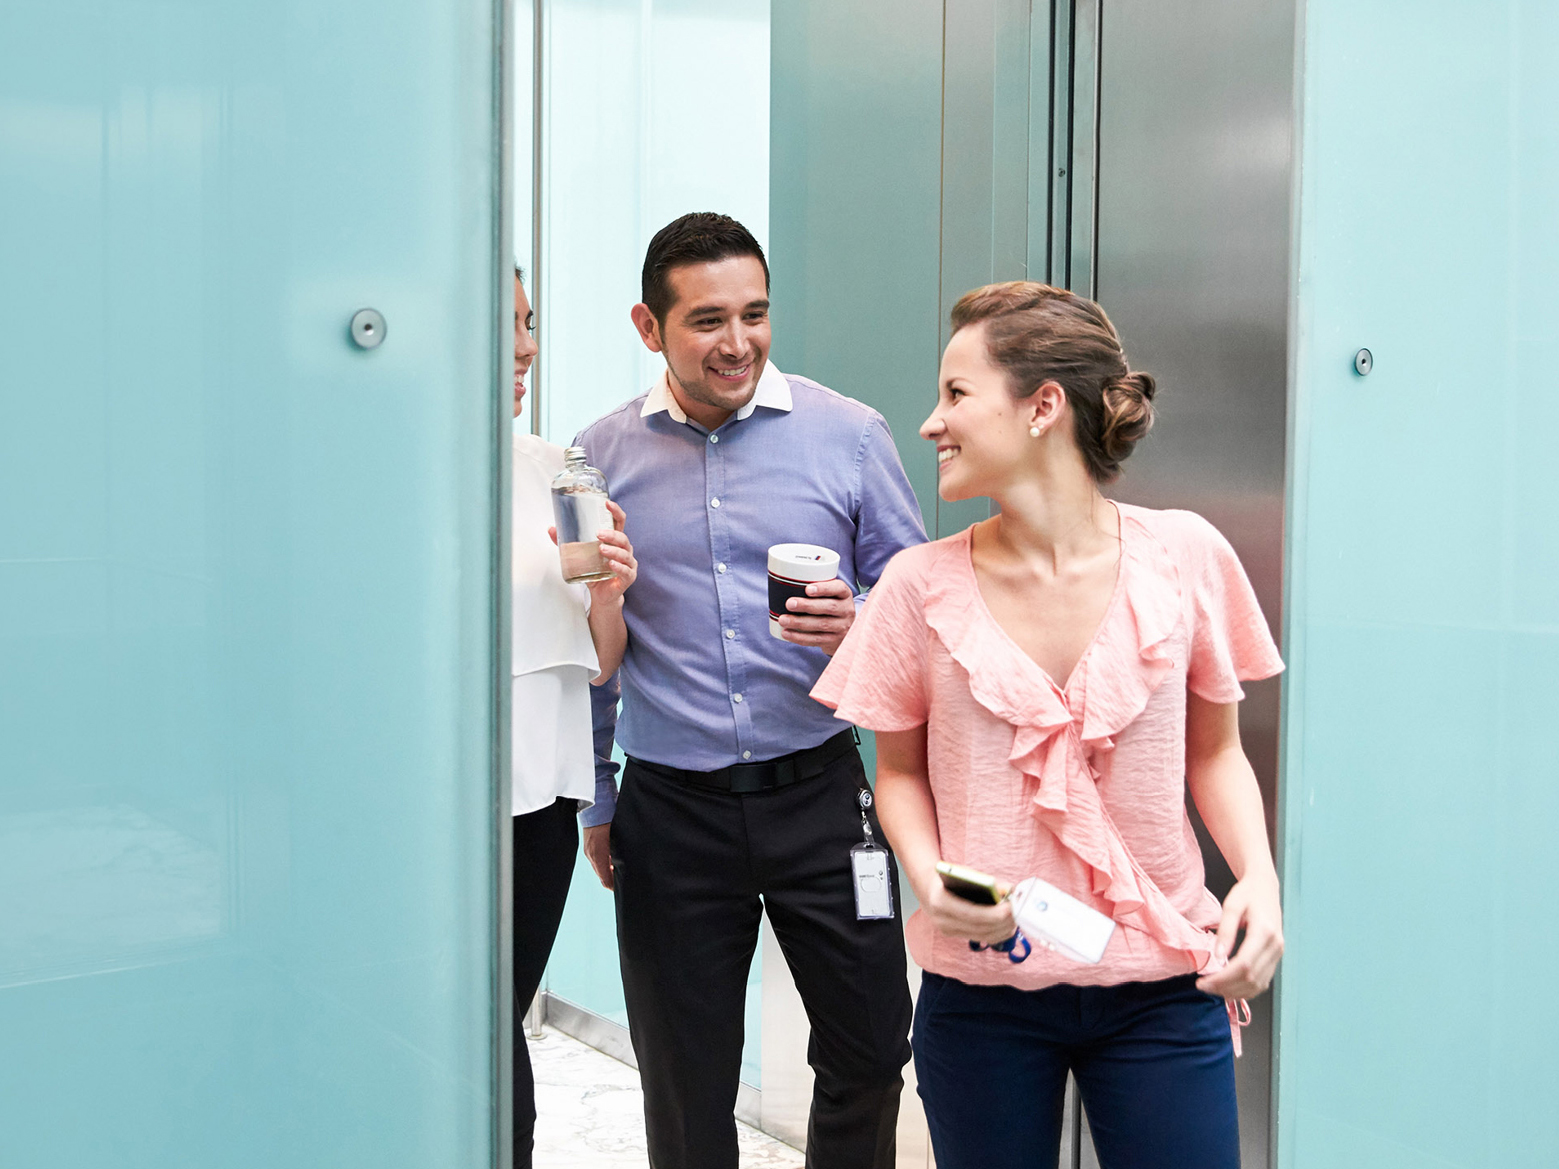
(873, 890)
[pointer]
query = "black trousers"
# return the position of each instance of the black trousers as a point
(545, 842)
(695, 869)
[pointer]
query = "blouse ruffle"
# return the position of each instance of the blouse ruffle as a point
(1056, 735)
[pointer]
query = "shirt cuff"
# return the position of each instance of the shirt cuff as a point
(605, 805)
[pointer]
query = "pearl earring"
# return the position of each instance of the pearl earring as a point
(1033, 432)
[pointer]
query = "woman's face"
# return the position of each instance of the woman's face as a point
(524, 344)
(981, 431)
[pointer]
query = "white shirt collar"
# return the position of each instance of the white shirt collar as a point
(773, 391)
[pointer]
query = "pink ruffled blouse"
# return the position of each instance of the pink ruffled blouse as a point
(1083, 786)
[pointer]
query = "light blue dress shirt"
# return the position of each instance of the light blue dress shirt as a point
(704, 685)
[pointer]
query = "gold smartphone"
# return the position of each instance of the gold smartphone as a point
(970, 884)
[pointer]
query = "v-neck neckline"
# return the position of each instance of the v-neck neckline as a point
(1117, 589)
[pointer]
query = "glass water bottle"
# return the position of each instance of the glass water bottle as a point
(579, 505)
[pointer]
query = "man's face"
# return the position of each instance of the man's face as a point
(715, 337)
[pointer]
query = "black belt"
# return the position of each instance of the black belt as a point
(745, 778)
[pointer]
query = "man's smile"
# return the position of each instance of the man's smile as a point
(732, 373)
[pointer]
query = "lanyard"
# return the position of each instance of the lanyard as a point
(870, 870)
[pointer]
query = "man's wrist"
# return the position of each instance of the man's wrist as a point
(597, 815)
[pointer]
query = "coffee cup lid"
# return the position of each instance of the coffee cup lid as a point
(803, 562)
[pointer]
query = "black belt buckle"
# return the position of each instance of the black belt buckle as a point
(748, 778)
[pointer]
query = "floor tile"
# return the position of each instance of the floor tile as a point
(590, 1113)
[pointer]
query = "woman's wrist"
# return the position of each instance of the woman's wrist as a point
(1263, 874)
(921, 876)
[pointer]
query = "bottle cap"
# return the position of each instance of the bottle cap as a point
(574, 454)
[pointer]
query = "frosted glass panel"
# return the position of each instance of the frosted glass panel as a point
(247, 894)
(1424, 616)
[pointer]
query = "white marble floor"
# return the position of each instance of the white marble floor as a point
(590, 1113)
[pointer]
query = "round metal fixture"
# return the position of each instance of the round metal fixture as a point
(367, 328)
(1363, 362)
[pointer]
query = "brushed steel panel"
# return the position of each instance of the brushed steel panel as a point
(1195, 171)
(1082, 204)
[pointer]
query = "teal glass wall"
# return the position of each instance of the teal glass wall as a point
(855, 210)
(902, 177)
(651, 109)
(247, 604)
(1416, 1027)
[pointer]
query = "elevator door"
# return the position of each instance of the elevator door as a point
(1130, 153)
(1194, 138)
(248, 895)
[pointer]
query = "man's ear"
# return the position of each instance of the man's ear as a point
(648, 327)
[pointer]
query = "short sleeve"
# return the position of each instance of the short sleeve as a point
(877, 679)
(1230, 643)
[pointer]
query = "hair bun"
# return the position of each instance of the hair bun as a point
(1128, 412)
(1038, 334)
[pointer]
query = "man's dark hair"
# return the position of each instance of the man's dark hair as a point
(702, 237)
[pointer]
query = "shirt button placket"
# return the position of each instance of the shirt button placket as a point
(725, 585)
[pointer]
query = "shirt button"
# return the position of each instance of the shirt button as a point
(730, 633)
(714, 438)
(746, 754)
(736, 698)
(720, 568)
(714, 502)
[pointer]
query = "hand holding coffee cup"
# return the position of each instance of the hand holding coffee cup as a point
(817, 608)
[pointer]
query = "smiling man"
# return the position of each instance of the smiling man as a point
(741, 793)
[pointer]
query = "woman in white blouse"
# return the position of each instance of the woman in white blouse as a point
(562, 642)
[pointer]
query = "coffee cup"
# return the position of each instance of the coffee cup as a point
(791, 568)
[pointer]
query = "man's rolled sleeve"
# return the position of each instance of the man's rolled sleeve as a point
(603, 726)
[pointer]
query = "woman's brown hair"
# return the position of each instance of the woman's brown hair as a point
(1040, 334)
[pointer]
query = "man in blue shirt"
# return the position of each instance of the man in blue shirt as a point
(741, 793)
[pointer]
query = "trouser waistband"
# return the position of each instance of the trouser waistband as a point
(746, 778)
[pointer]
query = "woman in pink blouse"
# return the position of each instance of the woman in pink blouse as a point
(1044, 687)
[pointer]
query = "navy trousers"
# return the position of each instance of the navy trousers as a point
(1153, 1061)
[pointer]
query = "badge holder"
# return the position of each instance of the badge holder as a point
(871, 873)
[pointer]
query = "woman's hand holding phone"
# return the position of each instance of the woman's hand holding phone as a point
(958, 917)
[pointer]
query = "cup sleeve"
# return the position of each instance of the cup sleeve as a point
(1230, 643)
(877, 678)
